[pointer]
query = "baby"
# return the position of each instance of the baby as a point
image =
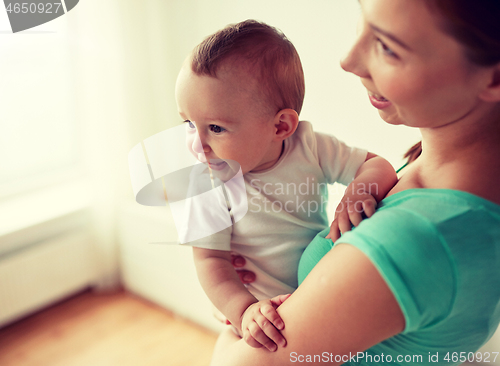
(240, 93)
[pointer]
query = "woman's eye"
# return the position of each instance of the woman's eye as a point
(190, 124)
(385, 49)
(216, 129)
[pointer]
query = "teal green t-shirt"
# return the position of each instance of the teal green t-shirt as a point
(439, 252)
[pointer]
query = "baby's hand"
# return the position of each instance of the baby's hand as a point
(350, 212)
(261, 324)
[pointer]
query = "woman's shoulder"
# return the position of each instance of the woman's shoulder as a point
(441, 206)
(425, 242)
(429, 220)
(419, 227)
(416, 223)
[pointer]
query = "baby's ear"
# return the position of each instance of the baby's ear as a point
(285, 122)
(492, 92)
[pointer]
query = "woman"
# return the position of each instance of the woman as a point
(418, 282)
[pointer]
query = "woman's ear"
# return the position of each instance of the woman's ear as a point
(285, 122)
(492, 92)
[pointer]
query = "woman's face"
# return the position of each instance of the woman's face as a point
(415, 74)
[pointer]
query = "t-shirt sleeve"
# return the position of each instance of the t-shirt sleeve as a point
(409, 254)
(203, 220)
(338, 161)
(217, 241)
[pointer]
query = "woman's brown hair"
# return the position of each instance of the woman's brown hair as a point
(475, 24)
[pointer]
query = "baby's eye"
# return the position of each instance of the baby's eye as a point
(217, 129)
(190, 124)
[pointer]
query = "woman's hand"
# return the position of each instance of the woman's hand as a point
(238, 262)
(261, 324)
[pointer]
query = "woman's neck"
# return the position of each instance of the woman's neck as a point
(464, 155)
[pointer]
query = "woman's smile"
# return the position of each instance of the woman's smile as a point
(378, 101)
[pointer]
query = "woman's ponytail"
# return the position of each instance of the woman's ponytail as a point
(413, 152)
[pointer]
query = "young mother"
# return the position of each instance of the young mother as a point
(419, 281)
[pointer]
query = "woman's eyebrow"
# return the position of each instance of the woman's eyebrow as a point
(390, 36)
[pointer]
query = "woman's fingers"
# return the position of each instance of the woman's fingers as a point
(237, 260)
(246, 276)
(219, 316)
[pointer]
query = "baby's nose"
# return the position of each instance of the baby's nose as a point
(199, 147)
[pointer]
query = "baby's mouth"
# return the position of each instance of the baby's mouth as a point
(216, 164)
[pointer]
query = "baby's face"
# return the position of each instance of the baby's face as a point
(224, 120)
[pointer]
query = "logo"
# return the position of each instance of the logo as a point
(28, 14)
(204, 196)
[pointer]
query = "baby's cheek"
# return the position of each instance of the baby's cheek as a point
(189, 145)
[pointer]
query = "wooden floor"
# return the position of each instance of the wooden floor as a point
(105, 330)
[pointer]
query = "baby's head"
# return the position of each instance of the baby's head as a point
(264, 53)
(241, 89)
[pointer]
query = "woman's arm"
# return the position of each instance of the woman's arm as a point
(344, 306)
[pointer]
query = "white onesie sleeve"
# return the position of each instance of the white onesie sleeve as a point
(338, 161)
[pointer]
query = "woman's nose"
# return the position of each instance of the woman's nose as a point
(354, 62)
(356, 58)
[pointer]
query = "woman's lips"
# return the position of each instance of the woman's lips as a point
(378, 101)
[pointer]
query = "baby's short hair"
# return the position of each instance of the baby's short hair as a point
(271, 57)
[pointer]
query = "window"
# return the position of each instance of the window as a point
(39, 142)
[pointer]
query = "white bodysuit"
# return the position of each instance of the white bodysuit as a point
(286, 208)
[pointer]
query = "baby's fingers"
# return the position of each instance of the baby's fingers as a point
(369, 207)
(344, 222)
(355, 211)
(361, 209)
(272, 315)
(251, 341)
(280, 299)
(334, 233)
(271, 332)
(266, 334)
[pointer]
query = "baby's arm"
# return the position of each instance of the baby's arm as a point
(258, 322)
(374, 179)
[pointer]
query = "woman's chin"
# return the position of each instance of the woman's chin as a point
(390, 117)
